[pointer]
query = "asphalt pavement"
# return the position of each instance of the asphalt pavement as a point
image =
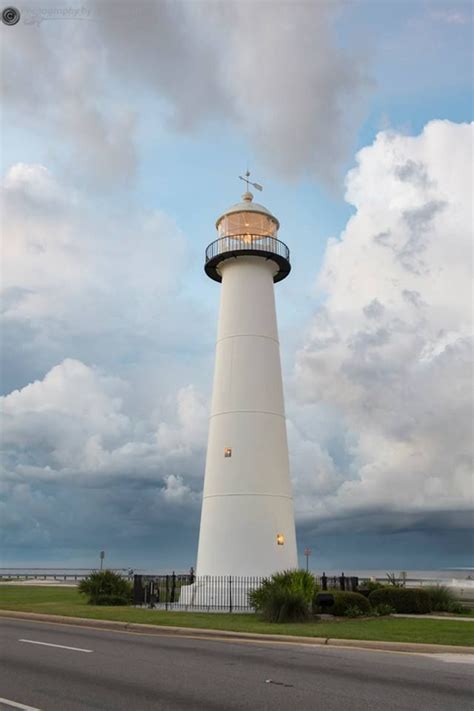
(65, 668)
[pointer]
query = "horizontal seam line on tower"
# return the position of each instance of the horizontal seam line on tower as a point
(249, 335)
(259, 412)
(275, 496)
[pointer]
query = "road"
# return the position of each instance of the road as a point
(92, 669)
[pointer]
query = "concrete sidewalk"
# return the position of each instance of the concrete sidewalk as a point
(433, 617)
(229, 636)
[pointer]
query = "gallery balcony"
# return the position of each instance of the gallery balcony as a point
(236, 246)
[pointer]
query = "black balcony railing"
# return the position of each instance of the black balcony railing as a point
(240, 245)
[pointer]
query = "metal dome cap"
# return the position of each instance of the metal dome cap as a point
(247, 205)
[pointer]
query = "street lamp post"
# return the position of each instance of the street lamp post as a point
(307, 552)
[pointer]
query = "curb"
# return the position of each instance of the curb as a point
(225, 635)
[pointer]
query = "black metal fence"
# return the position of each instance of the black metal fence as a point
(216, 593)
(338, 582)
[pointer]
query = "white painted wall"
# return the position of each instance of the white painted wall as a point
(247, 497)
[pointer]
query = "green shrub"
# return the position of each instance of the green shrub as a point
(344, 601)
(106, 588)
(368, 586)
(443, 599)
(406, 600)
(284, 597)
(456, 607)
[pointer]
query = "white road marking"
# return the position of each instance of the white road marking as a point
(59, 646)
(16, 705)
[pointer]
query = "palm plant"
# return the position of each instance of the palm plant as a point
(105, 587)
(284, 597)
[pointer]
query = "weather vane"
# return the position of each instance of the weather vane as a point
(246, 180)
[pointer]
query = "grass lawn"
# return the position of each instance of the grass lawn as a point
(67, 601)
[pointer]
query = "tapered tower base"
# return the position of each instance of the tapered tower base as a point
(247, 520)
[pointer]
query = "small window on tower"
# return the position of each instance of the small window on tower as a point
(280, 539)
(227, 451)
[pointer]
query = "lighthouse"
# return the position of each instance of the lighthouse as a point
(247, 519)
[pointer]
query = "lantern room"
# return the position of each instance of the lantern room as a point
(246, 220)
(247, 228)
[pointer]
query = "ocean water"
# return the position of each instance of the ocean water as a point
(443, 574)
(457, 576)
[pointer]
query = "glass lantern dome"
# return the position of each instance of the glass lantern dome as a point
(247, 228)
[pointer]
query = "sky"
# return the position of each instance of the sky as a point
(124, 130)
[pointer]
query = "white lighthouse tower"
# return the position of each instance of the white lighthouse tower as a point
(247, 520)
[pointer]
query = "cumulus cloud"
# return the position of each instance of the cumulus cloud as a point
(78, 282)
(80, 289)
(379, 413)
(295, 93)
(276, 74)
(40, 252)
(191, 429)
(68, 418)
(390, 350)
(70, 433)
(56, 237)
(54, 79)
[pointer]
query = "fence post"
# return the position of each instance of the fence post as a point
(230, 593)
(167, 590)
(324, 581)
(137, 590)
(152, 594)
(342, 582)
(173, 586)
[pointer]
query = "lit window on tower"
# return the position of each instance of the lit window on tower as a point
(227, 451)
(280, 539)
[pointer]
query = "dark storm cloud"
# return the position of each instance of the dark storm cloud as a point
(130, 520)
(389, 551)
